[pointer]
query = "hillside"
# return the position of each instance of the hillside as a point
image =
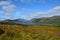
(18, 32)
(55, 20)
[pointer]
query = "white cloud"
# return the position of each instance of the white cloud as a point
(57, 8)
(54, 11)
(34, 14)
(26, 1)
(33, 1)
(7, 7)
(4, 3)
(29, 1)
(23, 9)
(36, 1)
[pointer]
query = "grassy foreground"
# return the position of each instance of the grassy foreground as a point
(17, 32)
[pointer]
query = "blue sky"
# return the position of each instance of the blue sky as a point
(28, 9)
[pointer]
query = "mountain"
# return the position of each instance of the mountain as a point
(16, 21)
(55, 20)
(22, 21)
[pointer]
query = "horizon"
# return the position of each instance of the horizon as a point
(29, 19)
(28, 9)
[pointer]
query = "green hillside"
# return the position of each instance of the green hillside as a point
(55, 20)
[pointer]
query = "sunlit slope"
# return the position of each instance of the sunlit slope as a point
(18, 32)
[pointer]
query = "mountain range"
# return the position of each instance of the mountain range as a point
(54, 20)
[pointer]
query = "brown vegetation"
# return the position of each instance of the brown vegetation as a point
(18, 32)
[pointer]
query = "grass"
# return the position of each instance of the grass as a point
(18, 32)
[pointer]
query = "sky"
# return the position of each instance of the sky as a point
(28, 9)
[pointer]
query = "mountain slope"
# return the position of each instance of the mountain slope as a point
(55, 20)
(16, 21)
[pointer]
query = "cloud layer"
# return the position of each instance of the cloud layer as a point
(54, 11)
(7, 7)
(33, 1)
